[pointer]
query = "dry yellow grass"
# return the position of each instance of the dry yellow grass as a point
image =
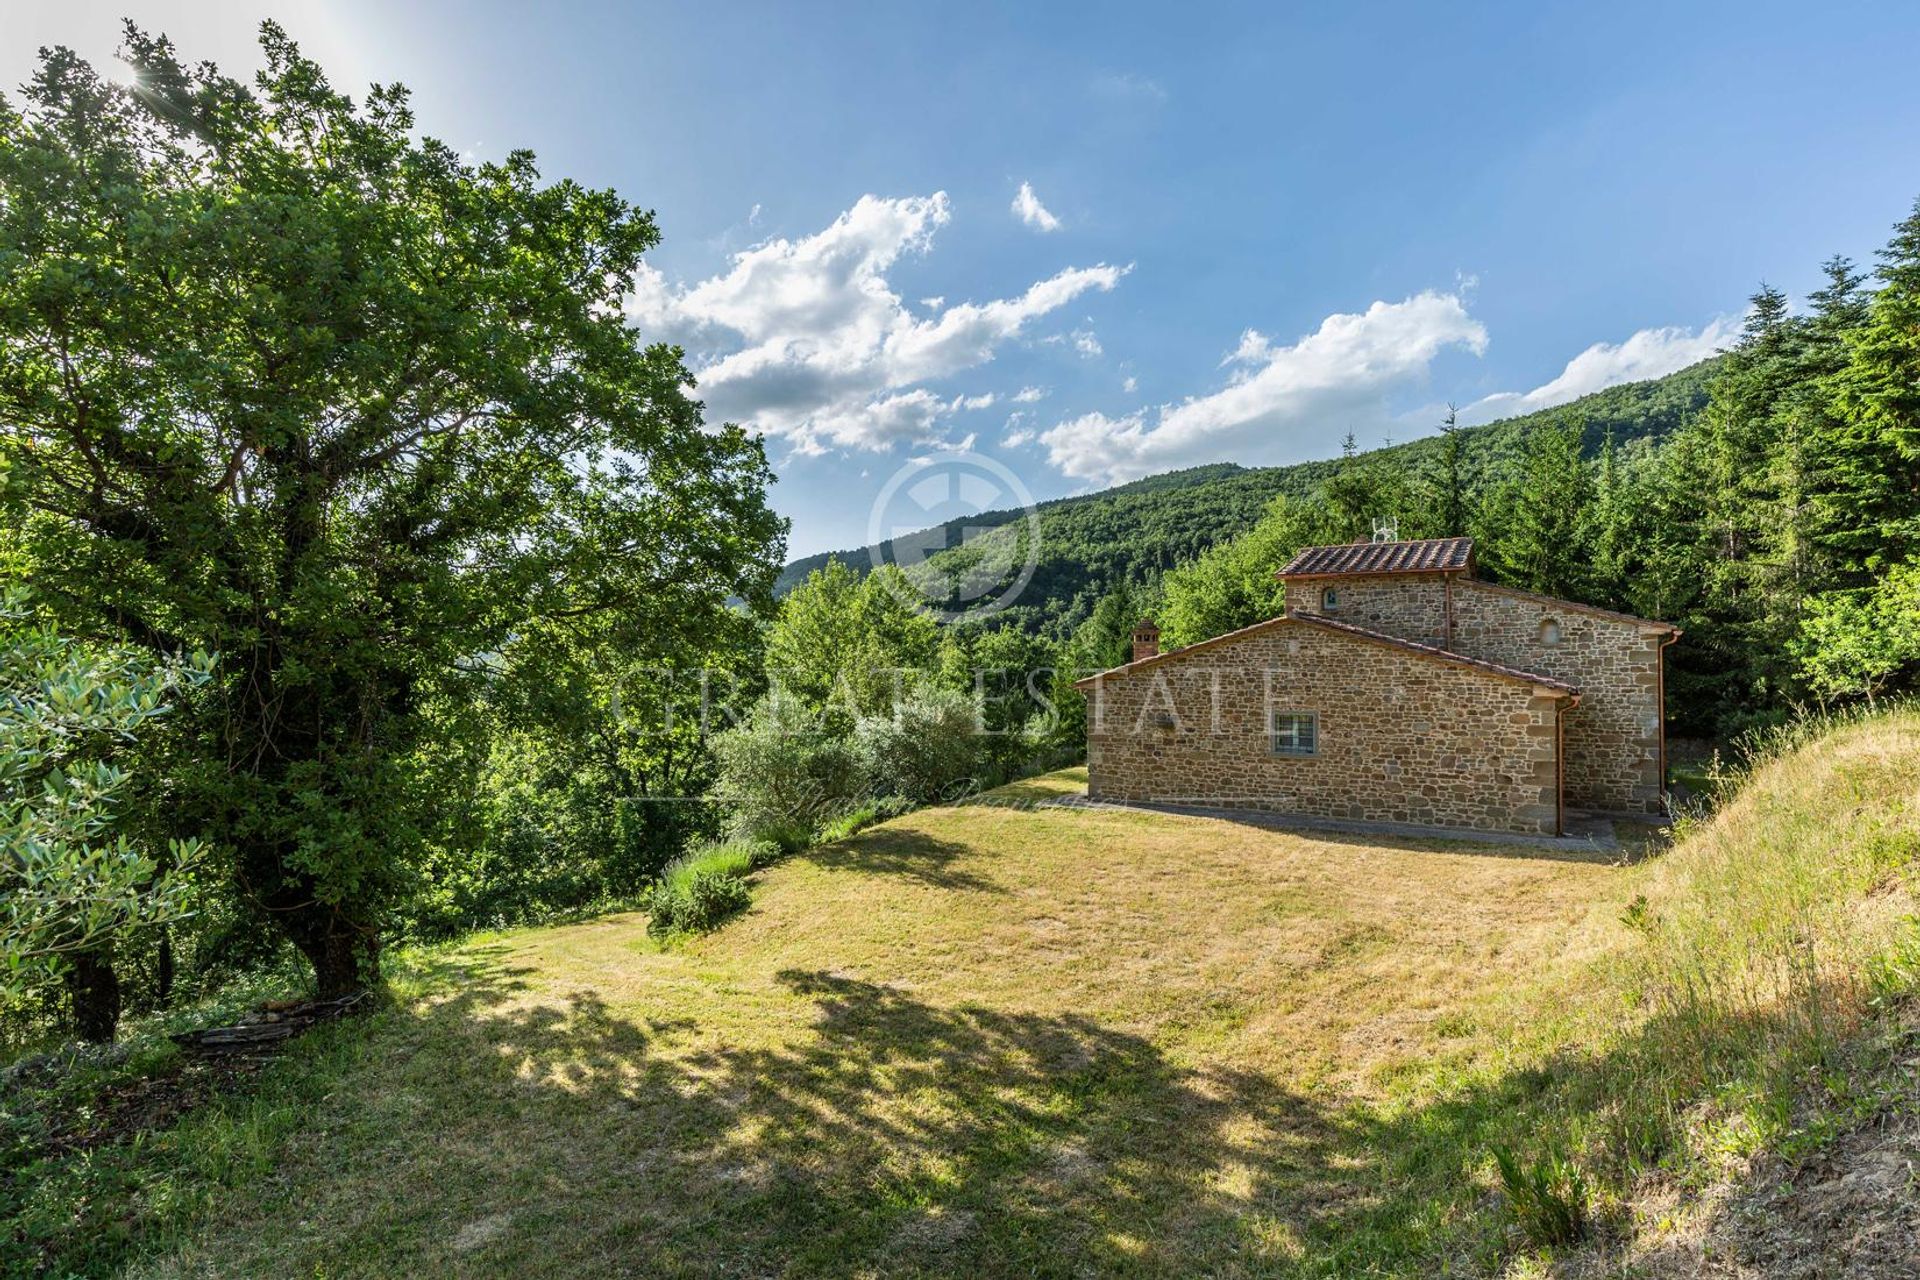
(976, 1041)
(990, 1040)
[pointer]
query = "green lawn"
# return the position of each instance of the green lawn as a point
(1018, 1041)
(976, 1041)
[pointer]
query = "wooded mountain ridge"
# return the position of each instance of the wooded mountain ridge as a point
(1089, 543)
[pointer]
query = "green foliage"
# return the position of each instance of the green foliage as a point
(862, 816)
(72, 883)
(1535, 524)
(1232, 585)
(759, 853)
(843, 645)
(1104, 640)
(581, 773)
(698, 892)
(286, 381)
(780, 778)
(1547, 1198)
(1852, 644)
(929, 748)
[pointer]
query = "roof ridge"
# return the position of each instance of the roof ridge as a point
(1412, 555)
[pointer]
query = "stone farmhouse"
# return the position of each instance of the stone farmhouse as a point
(1397, 687)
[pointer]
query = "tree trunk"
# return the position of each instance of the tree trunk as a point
(95, 990)
(163, 970)
(345, 956)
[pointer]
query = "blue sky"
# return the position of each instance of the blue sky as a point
(1245, 231)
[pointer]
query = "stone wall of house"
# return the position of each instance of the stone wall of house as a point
(1402, 738)
(1612, 738)
(1612, 742)
(1408, 606)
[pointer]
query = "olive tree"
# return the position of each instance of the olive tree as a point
(71, 882)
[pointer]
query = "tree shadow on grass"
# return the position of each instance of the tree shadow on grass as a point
(901, 850)
(847, 1128)
(483, 1134)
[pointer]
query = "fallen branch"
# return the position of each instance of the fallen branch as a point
(274, 1022)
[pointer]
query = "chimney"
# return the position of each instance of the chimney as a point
(1146, 640)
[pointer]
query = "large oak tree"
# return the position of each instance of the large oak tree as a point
(290, 383)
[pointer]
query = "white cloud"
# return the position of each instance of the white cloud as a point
(1027, 207)
(963, 404)
(1282, 402)
(1126, 85)
(1649, 353)
(1029, 395)
(1254, 349)
(1085, 341)
(806, 340)
(1129, 384)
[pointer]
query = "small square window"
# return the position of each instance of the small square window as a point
(1294, 733)
(1549, 632)
(1330, 598)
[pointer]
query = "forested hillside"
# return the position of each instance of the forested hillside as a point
(1132, 533)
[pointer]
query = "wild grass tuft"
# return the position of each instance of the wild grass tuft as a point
(1547, 1198)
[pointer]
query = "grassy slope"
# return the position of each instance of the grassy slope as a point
(998, 1042)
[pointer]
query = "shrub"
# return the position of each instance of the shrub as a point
(700, 890)
(709, 898)
(1548, 1199)
(858, 819)
(927, 750)
(781, 783)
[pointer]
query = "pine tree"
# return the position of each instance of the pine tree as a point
(1450, 505)
(1538, 538)
(1870, 466)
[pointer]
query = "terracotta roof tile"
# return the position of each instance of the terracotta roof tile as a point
(1424, 555)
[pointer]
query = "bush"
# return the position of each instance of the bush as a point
(760, 853)
(1547, 1199)
(929, 749)
(699, 891)
(781, 784)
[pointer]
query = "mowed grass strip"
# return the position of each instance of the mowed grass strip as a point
(975, 1040)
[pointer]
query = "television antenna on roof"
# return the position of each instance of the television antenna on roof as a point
(1386, 529)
